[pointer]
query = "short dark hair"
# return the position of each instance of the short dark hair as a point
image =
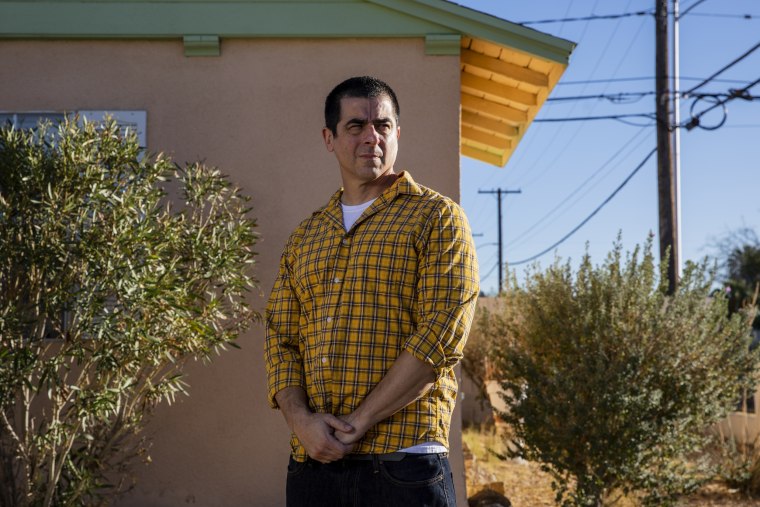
(363, 87)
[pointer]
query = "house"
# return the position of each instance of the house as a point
(240, 84)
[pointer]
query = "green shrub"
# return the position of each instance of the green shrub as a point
(478, 358)
(106, 289)
(611, 382)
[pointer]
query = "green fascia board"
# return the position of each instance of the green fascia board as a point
(267, 18)
(170, 19)
(484, 26)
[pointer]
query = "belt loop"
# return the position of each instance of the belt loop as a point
(376, 463)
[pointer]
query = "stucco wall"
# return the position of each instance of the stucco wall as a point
(256, 112)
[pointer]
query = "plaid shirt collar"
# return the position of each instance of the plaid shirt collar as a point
(404, 184)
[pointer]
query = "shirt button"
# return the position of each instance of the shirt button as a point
(345, 242)
(337, 280)
(329, 319)
(324, 360)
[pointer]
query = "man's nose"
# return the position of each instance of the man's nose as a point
(371, 136)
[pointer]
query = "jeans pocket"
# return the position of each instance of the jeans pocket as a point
(295, 467)
(414, 471)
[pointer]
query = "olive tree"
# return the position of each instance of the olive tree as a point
(611, 382)
(107, 288)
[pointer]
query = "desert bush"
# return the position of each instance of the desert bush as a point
(611, 382)
(107, 288)
(484, 341)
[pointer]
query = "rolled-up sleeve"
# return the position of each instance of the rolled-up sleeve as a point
(284, 364)
(447, 290)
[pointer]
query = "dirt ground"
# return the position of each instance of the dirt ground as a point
(525, 485)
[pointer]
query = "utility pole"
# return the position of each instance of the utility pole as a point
(499, 193)
(665, 176)
(677, 129)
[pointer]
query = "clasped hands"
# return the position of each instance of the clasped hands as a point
(326, 437)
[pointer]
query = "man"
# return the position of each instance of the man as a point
(367, 318)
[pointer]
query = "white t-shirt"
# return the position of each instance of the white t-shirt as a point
(351, 213)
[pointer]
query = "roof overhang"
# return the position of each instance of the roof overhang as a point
(502, 91)
(507, 70)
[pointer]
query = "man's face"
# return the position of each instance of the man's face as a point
(366, 139)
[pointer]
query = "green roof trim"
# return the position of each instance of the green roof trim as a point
(484, 26)
(201, 45)
(160, 19)
(269, 18)
(443, 44)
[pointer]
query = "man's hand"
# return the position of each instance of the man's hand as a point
(318, 434)
(358, 429)
(315, 431)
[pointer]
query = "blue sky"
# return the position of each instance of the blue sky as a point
(566, 170)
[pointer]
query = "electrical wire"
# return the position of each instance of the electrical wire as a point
(690, 8)
(642, 78)
(694, 121)
(622, 97)
(485, 277)
(585, 221)
(528, 170)
(533, 229)
(651, 116)
(719, 15)
(716, 74)
(587, 18)
(616, 98)
(576, 132)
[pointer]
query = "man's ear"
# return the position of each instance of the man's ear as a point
(328, 137)
(398, 132)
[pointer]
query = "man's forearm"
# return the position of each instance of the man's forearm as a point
(406, 381)
(294, 404)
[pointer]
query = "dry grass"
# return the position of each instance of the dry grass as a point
(527, 486)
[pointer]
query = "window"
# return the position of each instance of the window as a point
(135, 121)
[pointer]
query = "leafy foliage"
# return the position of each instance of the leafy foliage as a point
(740, 253)
(478, 358)
(106, 290)
(611, 382)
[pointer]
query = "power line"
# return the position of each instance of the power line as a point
(720, 15)
(726, 67)
(643, 78)
(576, 132)
(623, 97)
(534, 228)
(489, 272)
(612, 97)
(690, 8)
(585, 221)
(588, 18)
(735, 94)
(572, 108)
(604, 117)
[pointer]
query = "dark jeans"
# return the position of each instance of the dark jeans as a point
(417, 480)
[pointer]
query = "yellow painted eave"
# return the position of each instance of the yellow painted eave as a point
(502, 91)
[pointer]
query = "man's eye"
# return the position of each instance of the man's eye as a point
(354, 128)
(384, 128)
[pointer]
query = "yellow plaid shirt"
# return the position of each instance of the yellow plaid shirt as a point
(345, 304)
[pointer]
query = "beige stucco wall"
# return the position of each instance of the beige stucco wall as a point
(256, 112)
